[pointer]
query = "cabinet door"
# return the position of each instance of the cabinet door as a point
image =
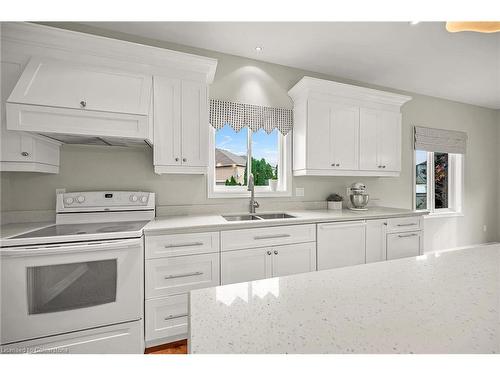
(167, 121)
(194, 115)
(344, 137)
(402, 245)
(318, 135)
(376, 231)
(341, 244)
(56, 83)
(380, 140)
(389, 141)
(245, 265)
(292, 259)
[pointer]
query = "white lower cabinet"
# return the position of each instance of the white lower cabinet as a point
(166, 317)
(261, 263)
(176, 264)
(293, 259)
(245, 265)
(376, 241)
(341, 244)
(405, 244)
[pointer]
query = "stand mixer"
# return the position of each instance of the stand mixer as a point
(358, 198)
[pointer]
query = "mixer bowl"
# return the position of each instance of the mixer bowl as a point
(359, 200)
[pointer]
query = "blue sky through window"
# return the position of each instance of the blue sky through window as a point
(263, 145)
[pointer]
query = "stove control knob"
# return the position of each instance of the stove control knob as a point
(133, 198)
(144, 199)
(68, 200)
(80, 199)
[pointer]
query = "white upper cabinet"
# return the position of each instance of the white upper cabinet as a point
(380, 140)
(181, 126)
(81, 88)
(54, 83)
(23, 152)
(345, 130)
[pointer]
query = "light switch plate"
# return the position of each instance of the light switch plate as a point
(299, 192)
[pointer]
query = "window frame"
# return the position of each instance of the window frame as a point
(284, 188)
(455, 186)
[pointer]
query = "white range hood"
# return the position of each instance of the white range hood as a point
(81, 103)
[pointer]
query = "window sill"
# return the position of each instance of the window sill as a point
(442, 215)
(246, 194)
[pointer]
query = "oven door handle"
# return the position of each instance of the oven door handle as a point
(99, 246)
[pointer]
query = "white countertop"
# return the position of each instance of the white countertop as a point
(436, 303)
(217, 222)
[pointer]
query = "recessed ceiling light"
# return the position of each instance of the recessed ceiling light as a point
(414, 23)
(258, 49)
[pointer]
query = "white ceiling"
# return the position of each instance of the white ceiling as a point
(422, 58)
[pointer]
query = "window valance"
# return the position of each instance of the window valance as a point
(255, 117)
(440, 140)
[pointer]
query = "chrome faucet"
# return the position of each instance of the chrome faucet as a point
(251, 188)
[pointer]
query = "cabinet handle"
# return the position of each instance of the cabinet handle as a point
(271, 236)
(333, 164)
(188, 244)
(24, 153)
(275, 252)
(383, 166)
(176, 159)
(183, 275)
(269, 253)
(83, 104)
(338, 165)
(174, 316)
(407, 225)
(184, 160)
(407, 235)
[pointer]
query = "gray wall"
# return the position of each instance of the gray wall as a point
(250, 81)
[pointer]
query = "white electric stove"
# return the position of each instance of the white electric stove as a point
(77, 286)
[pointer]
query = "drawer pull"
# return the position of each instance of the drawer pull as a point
(174, 316)
(187, 244)
(407, 235)
(272, 236)
(407, 225)
(198, 273)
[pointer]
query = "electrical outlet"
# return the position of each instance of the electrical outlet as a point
(299, 192)
(485, 228)
(60, 191)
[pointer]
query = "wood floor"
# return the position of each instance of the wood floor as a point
(178, 347)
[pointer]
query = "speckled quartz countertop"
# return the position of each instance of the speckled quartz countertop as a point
(435, 303)
(217, 222)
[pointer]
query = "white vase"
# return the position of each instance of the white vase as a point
(273, 184)
(334, 205)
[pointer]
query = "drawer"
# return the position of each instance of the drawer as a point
(167, 276)
(405, 244)
(404, 224)
(181, 244)
(166, 317)
(271, 236)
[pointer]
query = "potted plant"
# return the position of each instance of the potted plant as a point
(334, 201)
(273, 181)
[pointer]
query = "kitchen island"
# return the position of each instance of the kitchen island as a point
(436, 303)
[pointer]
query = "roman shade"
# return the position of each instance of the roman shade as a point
(440, 140)
(255, 117)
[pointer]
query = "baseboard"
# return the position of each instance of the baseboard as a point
(485, 244)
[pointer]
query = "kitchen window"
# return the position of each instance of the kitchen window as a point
(438, 183)
(236, 154)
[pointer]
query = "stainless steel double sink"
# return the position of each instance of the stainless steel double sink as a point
(280, 215)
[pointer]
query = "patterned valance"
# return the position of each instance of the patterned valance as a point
(440, 140)
(255, 117)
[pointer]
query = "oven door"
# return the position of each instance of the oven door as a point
(53, 289)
